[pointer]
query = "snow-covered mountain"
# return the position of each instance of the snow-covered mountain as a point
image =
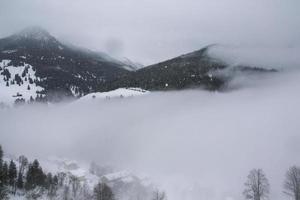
(197, 69)
(36, 66)
(60, 70)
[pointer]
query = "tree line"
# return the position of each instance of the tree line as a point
(257, 186)
(29, 179)
(24, 178)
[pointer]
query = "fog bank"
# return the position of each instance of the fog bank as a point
(194, 144)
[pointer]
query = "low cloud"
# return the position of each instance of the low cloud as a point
(194, 144)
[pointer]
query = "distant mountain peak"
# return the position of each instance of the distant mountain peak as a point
(34, 32)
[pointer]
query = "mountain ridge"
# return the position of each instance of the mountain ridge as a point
(66, 71)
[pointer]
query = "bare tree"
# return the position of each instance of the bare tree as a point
(23, 163)
(257, 185)
(86, 195)
(159, 195)
(292, 182)
(75, 185)
(66, 193)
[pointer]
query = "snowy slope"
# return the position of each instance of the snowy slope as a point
(17, 81)
(118, 93)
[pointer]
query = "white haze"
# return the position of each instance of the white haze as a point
(149, 31)
(195, 144)
(269, 58)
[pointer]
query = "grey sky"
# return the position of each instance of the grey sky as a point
(154, 30)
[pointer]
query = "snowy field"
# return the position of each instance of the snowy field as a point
(196, 145)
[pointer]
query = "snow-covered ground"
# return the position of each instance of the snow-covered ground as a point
(118, 93)
(10, 90)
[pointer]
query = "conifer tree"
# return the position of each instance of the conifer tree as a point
(103, 192)
(20, 182)
(12, 175)
(48, 181)
(4, 175)
(35, 176)
(1, 163)
(1, 155)
(3, 191)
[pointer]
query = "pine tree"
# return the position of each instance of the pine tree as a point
(48, 181)
(4, 175)
(1, 163)
(20, 182)
(30, 80)
(3, 193)
(35, 176)
(31, 99)
(12, 175)
(3, 170)
(103, 192)
(1, 155)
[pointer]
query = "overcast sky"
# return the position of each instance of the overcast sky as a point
(149, 31)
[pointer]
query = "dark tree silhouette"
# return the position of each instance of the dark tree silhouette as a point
(35, 176)
(1, 160)
(103, 192)
(12, 175)
(4, 174)
(20, 181)
(159, 195)
(257, 185)
(292, 182)
(1, 153)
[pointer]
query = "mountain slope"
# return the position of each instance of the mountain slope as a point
(36, 66)
(186, 71)
(192, 70)
(60, 70)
